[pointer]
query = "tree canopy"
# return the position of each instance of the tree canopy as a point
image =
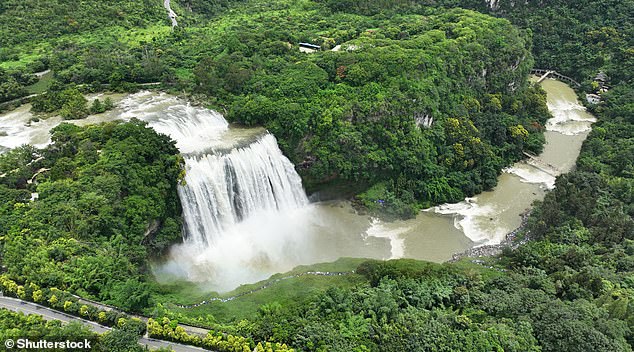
(106, 202)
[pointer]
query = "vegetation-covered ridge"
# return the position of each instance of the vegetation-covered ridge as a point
(22, 21)
(575, 38)
(415, 109)
(106, 201)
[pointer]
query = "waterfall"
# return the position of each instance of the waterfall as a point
(245, 212)
(194, 129)
(224, 189)
(231, 174)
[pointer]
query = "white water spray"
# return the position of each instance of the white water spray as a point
(222, 190)
(244, 207)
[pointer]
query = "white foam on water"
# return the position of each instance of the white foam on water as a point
(193, 128)
(531, 174)
(569, 118)
(19, 130)
(467, 216)
(379, 230)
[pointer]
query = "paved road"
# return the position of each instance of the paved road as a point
(17, 305)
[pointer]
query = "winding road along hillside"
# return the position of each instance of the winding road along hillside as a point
(18, 305)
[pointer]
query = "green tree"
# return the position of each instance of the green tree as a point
(74, 105)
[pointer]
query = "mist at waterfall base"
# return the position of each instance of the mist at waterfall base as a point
(272, 228)
(247, 216)
(243, 211)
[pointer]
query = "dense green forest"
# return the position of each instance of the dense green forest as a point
(22, 21)
(416, 109)
(570, 289)
(107, 194)
(348, 118)
(106, 202)
(575, 38)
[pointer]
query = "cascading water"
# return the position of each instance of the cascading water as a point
(223, 190)
(242, 199)
(192, 128)
(247, 216)
(229, 176)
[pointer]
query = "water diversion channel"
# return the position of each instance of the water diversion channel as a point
(247, 215)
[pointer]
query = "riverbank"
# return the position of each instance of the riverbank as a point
(569, 125)
(512, 240)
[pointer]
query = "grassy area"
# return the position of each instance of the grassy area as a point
(487, 267)
(24, 59)
(42, 85)
(292, 290)
(184, 74)
(285, 291)
(29, 52)
(136, 36)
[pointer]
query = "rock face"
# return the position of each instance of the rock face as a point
(493, 4)
(423, 120)
(151, 230)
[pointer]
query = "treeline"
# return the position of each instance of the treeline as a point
(577, 39)
(23, 21)
(13, 84)
(16, 326)
(574, 39)
(216, 341)
(106, 201)
(415, 306)
(64, 301)
(69, 102)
